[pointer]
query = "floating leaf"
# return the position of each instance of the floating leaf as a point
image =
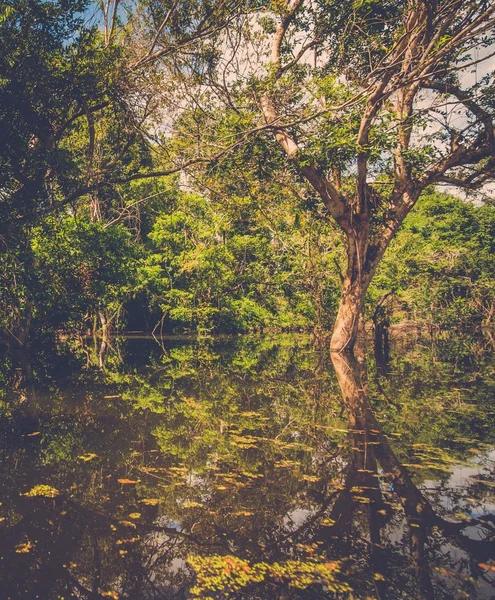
(191, 504)
(109, 593)
(128, 524)
(310, 478)
(42, 490)
(24, 548)
(88, 456)
(150, 501)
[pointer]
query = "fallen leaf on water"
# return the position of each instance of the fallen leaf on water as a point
(33, 434)
(42, 490)
(88, 456)
(23, 548)
(109, 594)
(310, 478)
(128, 524)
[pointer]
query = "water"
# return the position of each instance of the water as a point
(247, 467)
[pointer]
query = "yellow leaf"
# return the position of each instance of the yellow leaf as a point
(42, 490)
(109, 594)
(88, 456)
(192, 504)
(128, 524)
(24, 548)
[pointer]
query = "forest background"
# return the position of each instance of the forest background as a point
(121, 209)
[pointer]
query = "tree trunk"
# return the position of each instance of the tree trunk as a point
(350, 319)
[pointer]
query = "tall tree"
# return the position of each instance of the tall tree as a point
(370, 102)
(388, 54)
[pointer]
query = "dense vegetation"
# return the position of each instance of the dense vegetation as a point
(198, 266)
(124, 205)
(236, 166)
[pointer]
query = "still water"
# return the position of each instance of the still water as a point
(248, 467)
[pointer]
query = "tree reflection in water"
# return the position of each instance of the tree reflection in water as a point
(235, 470)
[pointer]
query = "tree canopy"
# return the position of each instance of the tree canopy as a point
(237, 165)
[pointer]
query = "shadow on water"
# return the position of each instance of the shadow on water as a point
(248, 467)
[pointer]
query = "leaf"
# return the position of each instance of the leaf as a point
(45, 491)
(128, 524)
(88, 456)
(150, 501)
(24, 548)
(109, 594)
(128, 481)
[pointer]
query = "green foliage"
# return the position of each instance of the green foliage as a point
(81, 268)
(226, 268)
(441, 265)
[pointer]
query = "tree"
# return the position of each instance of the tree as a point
(371, 103)
(75, 100)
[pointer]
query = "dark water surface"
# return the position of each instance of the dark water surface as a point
(247, 467)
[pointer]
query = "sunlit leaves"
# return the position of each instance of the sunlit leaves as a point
(42, 490)
(229, 574)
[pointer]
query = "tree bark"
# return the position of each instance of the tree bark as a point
(350, 318)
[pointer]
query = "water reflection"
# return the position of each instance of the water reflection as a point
(249, 468)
